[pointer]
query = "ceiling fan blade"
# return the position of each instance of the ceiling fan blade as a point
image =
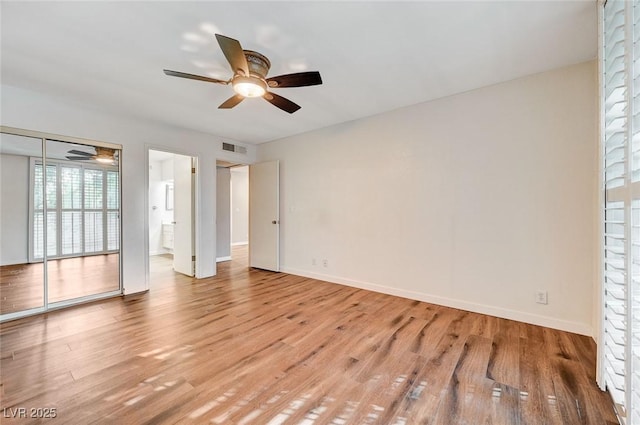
(76, 152)
(233, 52)
(281, 102)
(80, 158)
(193, 77)
(299, 79)
(231, 102)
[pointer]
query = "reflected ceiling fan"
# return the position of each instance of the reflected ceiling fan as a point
(249, 77)
(102, 155)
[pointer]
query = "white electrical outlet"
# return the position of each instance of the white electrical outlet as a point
(542, 297)
(325, 263)
(313, 261)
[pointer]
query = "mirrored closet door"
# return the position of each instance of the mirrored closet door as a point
(60, 218)
(21, 280)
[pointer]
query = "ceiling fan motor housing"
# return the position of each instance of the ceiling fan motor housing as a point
(104, 151)
(254, 84)
(258, 64)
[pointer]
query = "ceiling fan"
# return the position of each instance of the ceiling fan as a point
(102, 155)
(249, 77)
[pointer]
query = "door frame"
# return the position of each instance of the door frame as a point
(195, 205)
(221, 162)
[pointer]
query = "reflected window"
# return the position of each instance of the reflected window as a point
(61, 203)
(82, 209)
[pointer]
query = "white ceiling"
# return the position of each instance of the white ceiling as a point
(373, 56)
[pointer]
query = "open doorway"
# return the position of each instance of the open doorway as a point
(171, 214)
(232, 223)
(257, 244)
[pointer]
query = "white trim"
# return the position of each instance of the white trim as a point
(58, 138)
(22, 313)
(628, 218)
(504, 313)
(240, 243)
(60, 305)
(220, 259)
(598, 310)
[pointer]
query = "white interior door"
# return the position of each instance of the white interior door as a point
(264, 216)
(183, 246)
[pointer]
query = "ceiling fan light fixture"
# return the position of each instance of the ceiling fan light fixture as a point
(249, 86)
(104, 156)
(105, 160)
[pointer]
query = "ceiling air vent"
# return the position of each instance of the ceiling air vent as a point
(233, 148)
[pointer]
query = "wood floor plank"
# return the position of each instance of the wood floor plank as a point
(503, 364)
(389, 348)
(466, 385)
(21, 285)
(256, 347)
(570, 381)
(432, 332)
(538, 398)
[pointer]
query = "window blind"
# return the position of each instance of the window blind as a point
(615, 243)
(615, 300)
(93, 189)
(71, 187)
(620, 56)
(71, 210)
(71, 232)
(113, 211)
(51, 222)
(82, 210)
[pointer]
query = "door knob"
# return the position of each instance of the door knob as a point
(274, 222)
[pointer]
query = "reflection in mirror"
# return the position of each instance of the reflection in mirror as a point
(83, 218)
(21, 275)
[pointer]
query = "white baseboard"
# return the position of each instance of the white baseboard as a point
(240, 243)
(534, 319)
(219, 259)
(18, 261)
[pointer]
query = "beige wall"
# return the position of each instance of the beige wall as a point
(14, 209)
(240, 205)
(475, 201)
(223, 214)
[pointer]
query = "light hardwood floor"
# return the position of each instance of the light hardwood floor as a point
(254, 347)
(21, 285)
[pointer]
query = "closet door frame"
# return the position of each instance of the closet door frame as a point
(49, 306)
